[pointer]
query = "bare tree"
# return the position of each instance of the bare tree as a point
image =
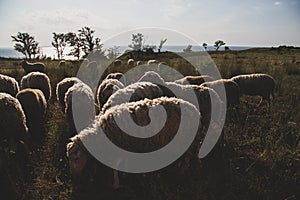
(89, 43)
(113, 52)
(73, 40)
(26, 45)
(162, 42)
(204, 45)
(188, 48)
(59, 43)
(137, 42)
(218, 44)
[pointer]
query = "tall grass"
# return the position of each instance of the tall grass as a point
(261, 158)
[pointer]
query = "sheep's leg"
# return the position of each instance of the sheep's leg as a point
(116, 183)
(237, 113)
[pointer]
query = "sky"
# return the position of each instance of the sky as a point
(236, 22)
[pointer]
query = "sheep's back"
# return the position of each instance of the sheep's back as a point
(254, 84)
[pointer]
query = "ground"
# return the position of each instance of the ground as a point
(259, 160)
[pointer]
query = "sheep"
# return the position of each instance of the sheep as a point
(13, 142)
(152, 62)
(206, 98)
(62, 87)
(256, 84)
(62, 63)
(194, 80)
(32, 67)
(81, 161)
(79, 106)
(117, 63)
(37, 80)
(106, 89)
(34, 105)
(89, 74)
(117, 75)
(201, 97)
(152, 77)
(8, 85)
(161, 65)
(130, 62)
(134, 92)
(232, 90)
(12, 119)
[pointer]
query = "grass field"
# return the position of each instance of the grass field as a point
(261, 158)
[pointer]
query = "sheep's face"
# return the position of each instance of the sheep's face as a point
(77, 158)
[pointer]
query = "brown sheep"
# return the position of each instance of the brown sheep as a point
(37, 80)
(12, 119)
(8, 85)
(256, 84)
(32, 67)
(62, 88)
(34, 105)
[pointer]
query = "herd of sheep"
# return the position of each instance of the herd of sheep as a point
(23, 109)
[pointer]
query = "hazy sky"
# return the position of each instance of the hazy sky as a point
(237, 22)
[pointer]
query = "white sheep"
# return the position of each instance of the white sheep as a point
(152, 62)
(106, 89)
(13, 145)
(194, 80)
(117, 63)
(130, 62)
(34, 105)
(134, 92)
(117, 75)
(37, 80)
(153, 77)
(232, 90)
(8, 85)
(79, 107)
(80, 159)
(256, 84)
(12, 119)
(89, 74)
(201, 97)
(62, 63)
(62, 88)
(32, 67)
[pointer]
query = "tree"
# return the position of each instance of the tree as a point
(89, 43)
(204, 45)
(59, 43)
(137, 42)
(218, 44)
(149, 48)
(162, 42)
(73, 40)
(113, 52)
(26, 44)
(188, 48)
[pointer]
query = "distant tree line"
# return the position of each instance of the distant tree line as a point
(84, 43)
(81, 43)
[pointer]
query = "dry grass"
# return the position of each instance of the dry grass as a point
(260, 160)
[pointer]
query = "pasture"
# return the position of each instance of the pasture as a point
(260, 158)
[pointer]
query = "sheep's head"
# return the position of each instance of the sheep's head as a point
(77, 156)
